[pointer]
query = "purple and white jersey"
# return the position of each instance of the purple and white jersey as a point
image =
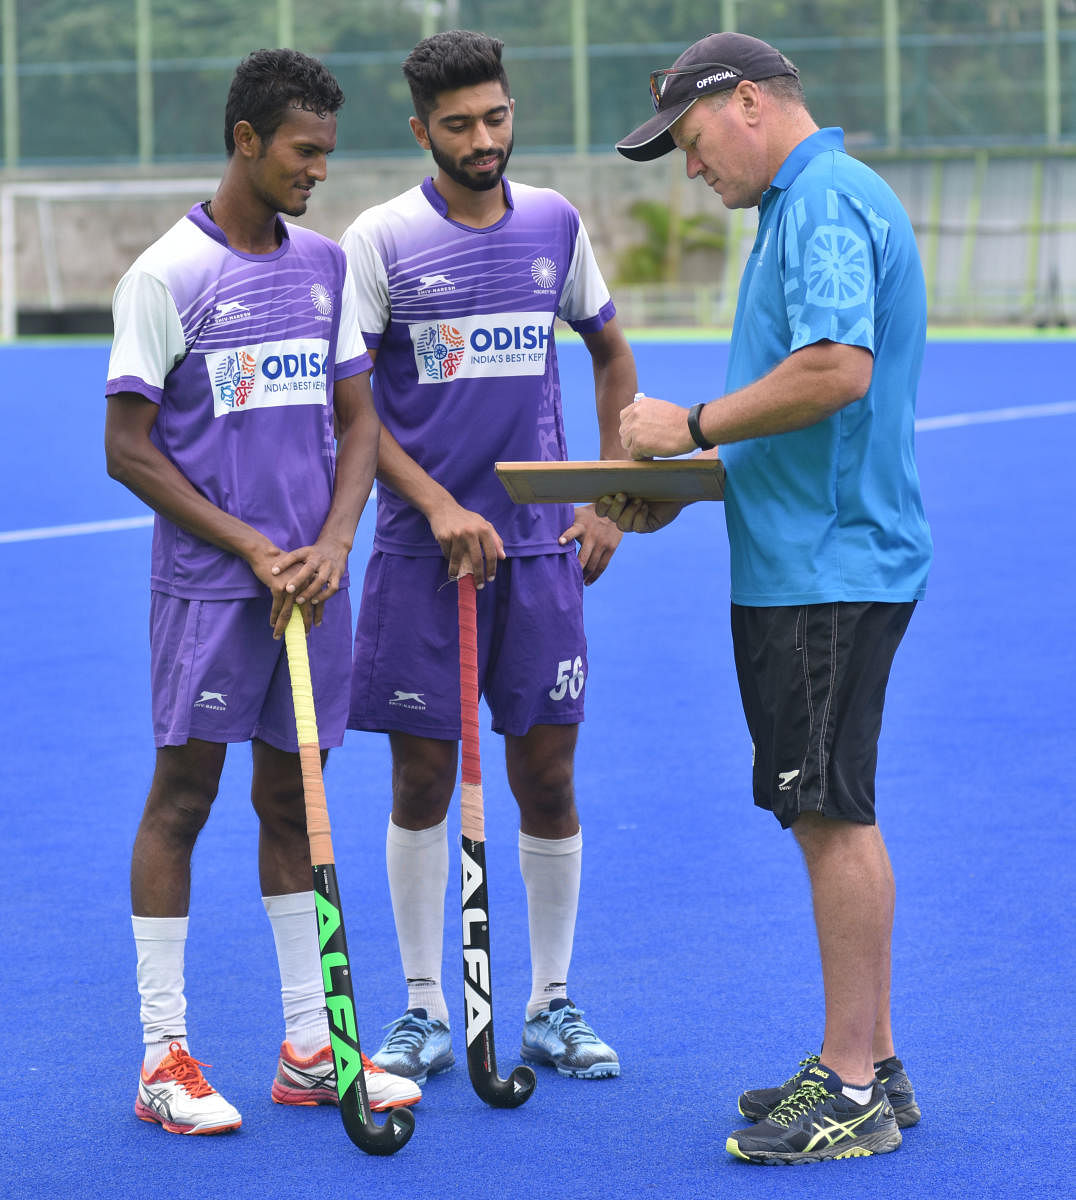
(240, 351)
(466, 365)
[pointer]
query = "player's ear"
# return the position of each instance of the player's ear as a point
(247, 142)
(421, 134)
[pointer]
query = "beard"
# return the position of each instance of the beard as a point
(458, 172)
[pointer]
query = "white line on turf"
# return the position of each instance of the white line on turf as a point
(922, 425)
(57, 531)
(987, 416)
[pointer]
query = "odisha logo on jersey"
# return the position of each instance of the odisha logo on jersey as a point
(544, 272)
(322, 301)
(442, 347)
(234, 378)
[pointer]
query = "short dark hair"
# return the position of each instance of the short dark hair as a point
(269, 82)
(450, 60)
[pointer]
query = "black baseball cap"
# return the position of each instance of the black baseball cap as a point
(713, 64)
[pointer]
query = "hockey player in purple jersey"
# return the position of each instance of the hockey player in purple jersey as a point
(236, 348)
(459, 281)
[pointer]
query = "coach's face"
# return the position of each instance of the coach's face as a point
(469, 134)
(724, 140)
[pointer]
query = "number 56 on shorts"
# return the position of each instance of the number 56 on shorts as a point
(570, 679)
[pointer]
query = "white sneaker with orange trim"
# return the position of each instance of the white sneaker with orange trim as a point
(177, 1097)
(313, 1081)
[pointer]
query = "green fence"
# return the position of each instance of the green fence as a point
(143, 81)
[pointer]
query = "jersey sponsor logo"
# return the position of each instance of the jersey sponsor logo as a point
(229, 311)
(435, 283)
(494, 344)
(272, 375)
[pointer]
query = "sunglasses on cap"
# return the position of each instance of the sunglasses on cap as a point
(659, 80)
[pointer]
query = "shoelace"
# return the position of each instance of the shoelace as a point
(371, 1067)
(569, 1023)
(812, 1060)
(186, 1071)
(805, 1097)
(406, 1033)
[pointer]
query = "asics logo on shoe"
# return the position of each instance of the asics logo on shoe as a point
(785, 778)
(833, 1131)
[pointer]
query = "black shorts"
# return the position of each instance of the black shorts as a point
(812, 681)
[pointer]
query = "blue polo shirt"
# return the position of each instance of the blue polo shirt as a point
(831, 512)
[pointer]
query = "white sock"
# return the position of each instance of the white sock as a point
(551, 869)
(306, 1023)
(417, 864)
(160, 943)
(859, 1094)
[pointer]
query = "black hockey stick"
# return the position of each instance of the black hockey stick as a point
(477, 989)
(335, 964)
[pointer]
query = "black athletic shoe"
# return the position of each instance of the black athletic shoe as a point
(818, 1122)
(898, 1087)
(758, 1104)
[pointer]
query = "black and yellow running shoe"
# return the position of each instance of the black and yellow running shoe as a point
(756, 1105)
(818, 1122)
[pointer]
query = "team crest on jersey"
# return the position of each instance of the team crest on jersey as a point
(321, 299)
(440, 349)
(234, 378)
(544, 273)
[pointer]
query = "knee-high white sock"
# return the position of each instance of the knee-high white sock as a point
(306, 1023)
(417, 863)
(160, 943)
(551, 871)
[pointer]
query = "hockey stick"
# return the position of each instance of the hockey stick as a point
(335, 964)
(477, 989)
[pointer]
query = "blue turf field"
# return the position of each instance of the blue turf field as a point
(695, 953)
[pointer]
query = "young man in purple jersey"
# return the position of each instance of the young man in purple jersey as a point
(236, 349)
(459, 281)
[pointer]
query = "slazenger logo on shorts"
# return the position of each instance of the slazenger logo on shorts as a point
(271, 375)
(408, 700)
(214, 700)
(493, 344)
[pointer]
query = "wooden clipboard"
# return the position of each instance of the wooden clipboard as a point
(584, 482)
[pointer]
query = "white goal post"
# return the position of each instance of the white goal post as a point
(43, 236)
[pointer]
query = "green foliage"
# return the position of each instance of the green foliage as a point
(668, 236)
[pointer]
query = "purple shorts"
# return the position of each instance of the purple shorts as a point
(532, 653)
(218, 675)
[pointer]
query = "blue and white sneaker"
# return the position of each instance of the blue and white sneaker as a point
(559, 1037)
(416, 1046)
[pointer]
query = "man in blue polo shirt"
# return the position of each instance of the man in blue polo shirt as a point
(829, 547)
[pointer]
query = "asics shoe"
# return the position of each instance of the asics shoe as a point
(758, 1104)
(177, 1097)
(818, 1122)
(416, 1046)
(559, 1037)
(313, 1081)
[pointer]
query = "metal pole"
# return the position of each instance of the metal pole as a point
(144, 78)
(580, 77)
(285, 23)
(11, 85)
(1051, 71)
(891, 57)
